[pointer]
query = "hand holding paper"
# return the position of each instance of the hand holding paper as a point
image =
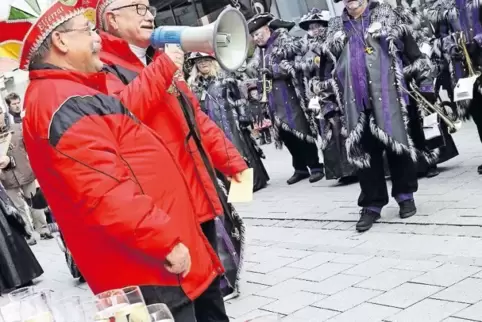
(241, 189)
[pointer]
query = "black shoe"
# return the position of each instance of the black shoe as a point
(479, 169)
(46, 236)
(348, 180)
(297, 177)
(367, 218)
(407, 209)
(432, 172)
(316, 176)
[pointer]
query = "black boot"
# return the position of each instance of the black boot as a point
(432, 171)
(297, 177)
(407, 208)
(316, 176)
(348, 180)
(367, 218)
(479, 169)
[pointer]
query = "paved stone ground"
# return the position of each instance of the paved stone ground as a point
(305, 262)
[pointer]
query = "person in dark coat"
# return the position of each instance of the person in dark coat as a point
(375, 55)
(221, 99)
(451, 20)
(273, 61)
(18, 265)
(312, 65)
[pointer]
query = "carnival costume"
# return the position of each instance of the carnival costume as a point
(222, 100)
(312, 65)
(375, 55)
(294, 125)
(453, 19)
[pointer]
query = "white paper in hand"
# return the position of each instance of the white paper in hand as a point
(430, 126)
(314, 104)
(426, 49)
(242, 191)
(464, 90)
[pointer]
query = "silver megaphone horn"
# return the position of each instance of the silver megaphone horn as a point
(227, 38)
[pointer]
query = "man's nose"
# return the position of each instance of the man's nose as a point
(149, 17)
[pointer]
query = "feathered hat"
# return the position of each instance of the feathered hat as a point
(59, 12)
(314, 16)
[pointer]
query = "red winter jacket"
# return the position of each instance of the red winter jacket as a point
(169, 122)
(118, 193)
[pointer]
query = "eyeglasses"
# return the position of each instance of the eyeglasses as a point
(141, 9)
(90, 28)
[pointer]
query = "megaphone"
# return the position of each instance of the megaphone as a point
(227, 38)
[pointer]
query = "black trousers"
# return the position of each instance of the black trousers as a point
(209, 307)
(475, 112)
(372, 180)
(304, 154)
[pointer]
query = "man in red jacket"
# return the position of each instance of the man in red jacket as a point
(118, 192)
(126, 27)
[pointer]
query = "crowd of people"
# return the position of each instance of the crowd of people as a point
(134, 154)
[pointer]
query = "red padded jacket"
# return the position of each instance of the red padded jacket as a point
(170, 123)
(118, 193)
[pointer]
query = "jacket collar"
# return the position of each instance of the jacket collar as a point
(116, 51)
(96, 81)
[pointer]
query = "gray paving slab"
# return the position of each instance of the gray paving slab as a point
(366, 312)
(428, 310)
(305, 261)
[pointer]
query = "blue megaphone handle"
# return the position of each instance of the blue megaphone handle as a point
(166, 35)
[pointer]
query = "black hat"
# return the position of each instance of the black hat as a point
(279, 23)
(196, 55)
(314, 16)
(259, 20)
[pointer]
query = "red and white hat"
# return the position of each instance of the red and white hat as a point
(59, 12)
(100, 11)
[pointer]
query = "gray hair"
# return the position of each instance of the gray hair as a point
(41, 54)
(108, 8)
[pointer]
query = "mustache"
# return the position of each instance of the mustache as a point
(96, 47)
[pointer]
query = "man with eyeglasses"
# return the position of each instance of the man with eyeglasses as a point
(119, 194)
(126, 27)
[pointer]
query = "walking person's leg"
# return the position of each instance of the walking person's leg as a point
(19, 203)
(38, 215)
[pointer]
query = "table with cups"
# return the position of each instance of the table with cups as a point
(31, 304)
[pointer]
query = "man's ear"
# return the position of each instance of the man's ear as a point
(111, 22)
(59, 43)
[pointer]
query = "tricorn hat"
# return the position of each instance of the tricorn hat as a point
(59, 12)
(314, 16)
(259, 20)
(280, 23)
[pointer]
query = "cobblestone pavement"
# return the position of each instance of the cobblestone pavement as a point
(305, 261)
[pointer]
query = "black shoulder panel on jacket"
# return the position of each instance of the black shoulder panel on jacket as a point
(77, 107)
(124, 74)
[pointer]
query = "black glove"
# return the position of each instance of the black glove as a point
(266, 71)
(244, 121)
(431, 97)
